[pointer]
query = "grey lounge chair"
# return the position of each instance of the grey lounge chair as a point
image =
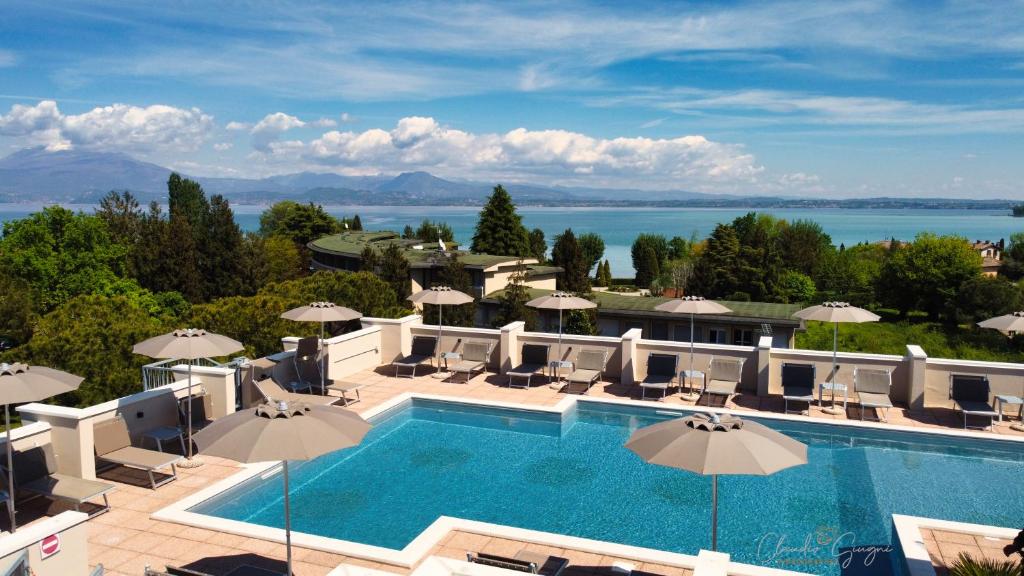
(534, 359)
(589, 368)
(723, 379)
(524, 561)
(970, 394)
(475, 356)
(798, 384)
(661, 371)
(306, 362)
(424, 349)
(872, 386)
(271, 391)
(202, 408)
(35, 472)
(114, 445)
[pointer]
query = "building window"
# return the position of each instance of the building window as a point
(631, 325)
(682, 333)
(718, 336)
(743, 337)
(659, 330)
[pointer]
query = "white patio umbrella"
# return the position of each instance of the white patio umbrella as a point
(1008, 324)
(19, 384)
(692, 305)
(188, 344)
(440, 296)
(836, 312)
(560, 301)
(322, 312)
(284, 432)
(709, 444)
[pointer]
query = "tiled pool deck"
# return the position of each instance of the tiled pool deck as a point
(944, 547)
(126, 540)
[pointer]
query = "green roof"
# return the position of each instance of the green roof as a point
(646, 304)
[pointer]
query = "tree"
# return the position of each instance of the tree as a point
(369, 260)
(301, 223)
(795, 286)
(680, 248)
(266, 260)
(500, 228)
(16, 314)
(604, 274)
(186, 200)
(408, 233)
(434, 231)
(394, 269)
(759, 261)
(357, 224)
(455, 276)
(222, 253)
(649, 251)
(538, 247)
(360, 291)
(581, 322)
(123, 217)
(567, 254)
(714, 273)
(850, 275)
(253, 320)
(592, 247)
(512, 302)
(1013, 258)
(804, 244)
(927, 273)
(981, 297)
(675, 275)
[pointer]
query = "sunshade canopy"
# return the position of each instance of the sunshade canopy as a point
(717, 445)
(188, 343)
(1007, 323)
(837, 312)
(561, 301)
(281, 431)
(321, 312)
(441, 296)
(692, 305)
(20, 383)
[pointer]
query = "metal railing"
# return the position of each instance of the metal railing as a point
(161, 373)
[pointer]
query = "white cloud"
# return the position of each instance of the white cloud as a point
(346, 118)
(324, 123)
(118, 126)
(238, 126)
(222, 146)
(7, 58)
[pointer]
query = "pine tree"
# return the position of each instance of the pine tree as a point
(512, 303)
(368, 260)
(648, 267)
(221, 254)
(357, 224)
(538, 247)
(582, 322)
(394, 269)
(566, 253)
(500, 229)
(714, 272)
(408, 233)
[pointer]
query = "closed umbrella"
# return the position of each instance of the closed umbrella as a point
(322, 312)
(1008, 324)
(19, 384)
(713, 445)
(560, 301)
(836, 312)
(440, 296)
(188, 344)
(692, 305)
(284, 432)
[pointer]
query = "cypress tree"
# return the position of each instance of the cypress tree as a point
(500, 228)
(222, 252)
(357, 224)
(538, 247)
(567, 253)
(394, 269)
(648, 267)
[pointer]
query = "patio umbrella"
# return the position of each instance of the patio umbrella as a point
(188, 344)
(560, 301)
(322, 312)
(692, 305)
(710, 444)
(440, 296)
(284, 432)
(1007, 324)
(836, 312)
(18, 384)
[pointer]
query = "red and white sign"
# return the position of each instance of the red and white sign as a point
(49, 546)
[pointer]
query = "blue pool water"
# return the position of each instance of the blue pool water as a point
(533, 470)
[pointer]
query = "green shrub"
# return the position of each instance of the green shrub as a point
(966, 565)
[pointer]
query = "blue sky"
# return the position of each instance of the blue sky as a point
(846, 99)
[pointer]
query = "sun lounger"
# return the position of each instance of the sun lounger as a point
(306, 362)
(534, 359)
(589, 368)
(797, 384)
(872, 387)
(424, 349)
(202, 408)
(970, 394)
(243, 570)
(114, 445)
(661, 371)
(523, 561)
(35, 472)
(271, 391)
(723, 379)
(475, 356)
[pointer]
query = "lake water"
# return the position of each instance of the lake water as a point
(619, 226)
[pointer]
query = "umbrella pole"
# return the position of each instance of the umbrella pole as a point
(190, 461)
(10, 470)
(440, 324)
(287, 518)
(559, 334)
(323, 359)
(714, 512)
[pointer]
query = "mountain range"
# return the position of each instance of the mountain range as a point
(35, 175)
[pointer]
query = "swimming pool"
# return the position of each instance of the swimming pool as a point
(569, 474)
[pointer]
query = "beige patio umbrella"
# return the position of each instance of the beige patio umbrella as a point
(560, 301)
(188, 344)
(440, 296)
(710, 444)
(1008, 324)
(19, 384)
(322, 312)
(836, 312)
(284, 432)
(692, 305)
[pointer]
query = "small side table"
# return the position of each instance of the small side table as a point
(1002, 400)
(834, 387)
(555, 368)
(687, 376)
(446, 356)
(344, 388)
(165, 434)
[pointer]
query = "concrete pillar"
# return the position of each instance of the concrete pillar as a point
(218, 382)
(70, 434)
(629, 359)
(917, 367)
(395, 335)
(764, 365)
(508, 345)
